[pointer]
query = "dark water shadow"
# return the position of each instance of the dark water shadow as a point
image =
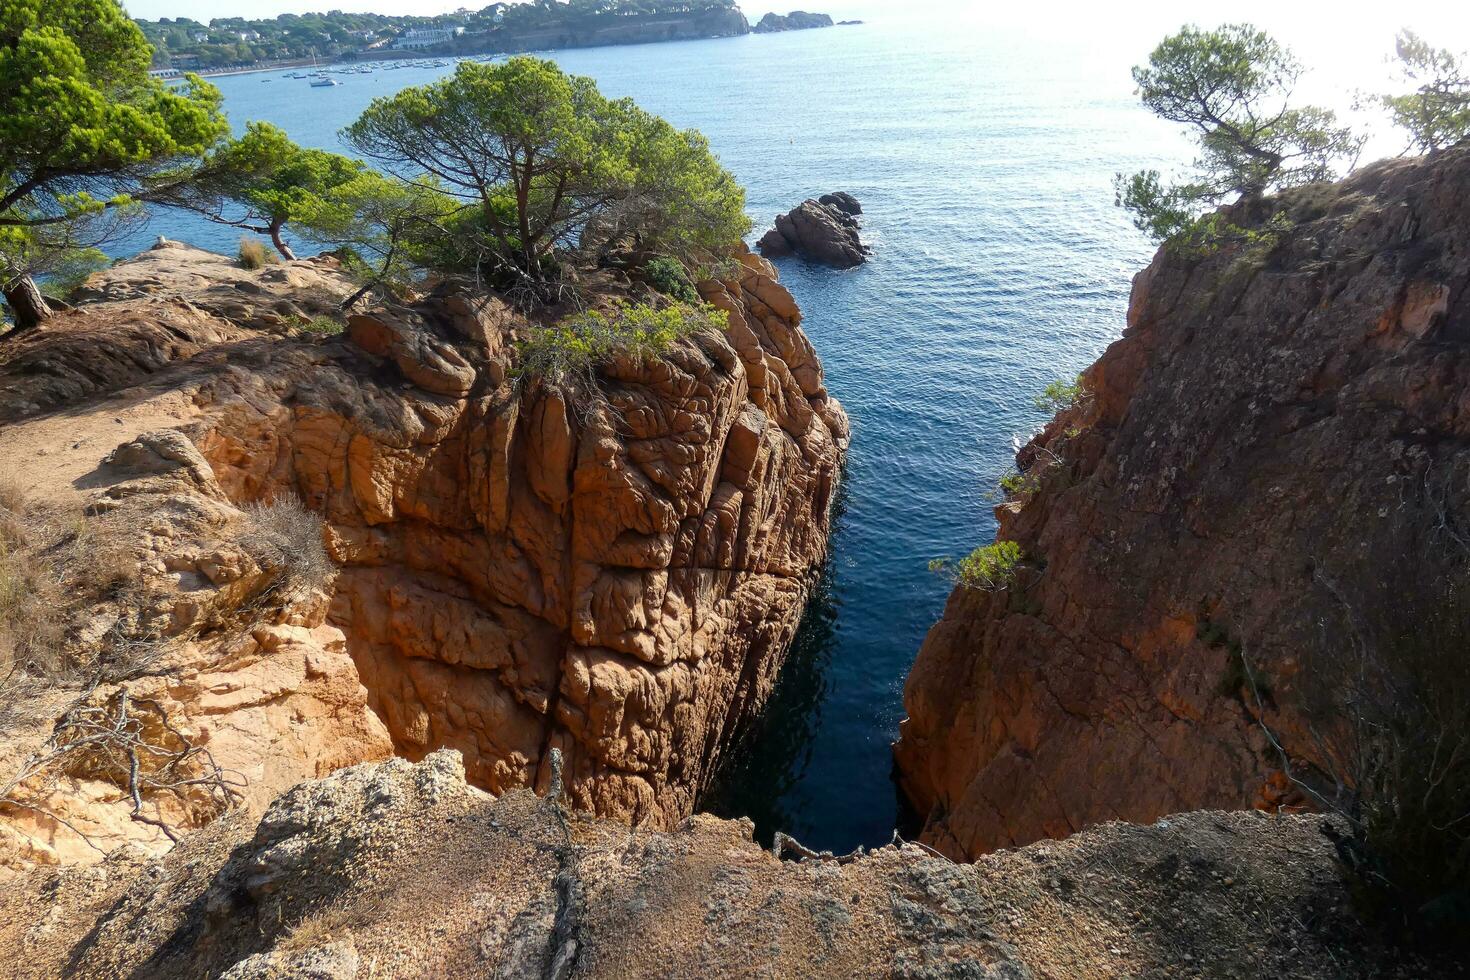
(769, 759)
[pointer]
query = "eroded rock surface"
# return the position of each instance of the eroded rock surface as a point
(616, 574)
(1275, 453)
(201, 652)
(399, 870)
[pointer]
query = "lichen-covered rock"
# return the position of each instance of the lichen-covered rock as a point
(1279, 443)
(398, 870)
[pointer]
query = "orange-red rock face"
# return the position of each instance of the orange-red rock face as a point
(525, 568)
(1279, 440)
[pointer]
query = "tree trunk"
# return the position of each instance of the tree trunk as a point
(280, 245)
(26, 303)
(351, 301)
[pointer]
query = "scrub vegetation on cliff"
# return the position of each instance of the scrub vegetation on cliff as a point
(1233, 86)
(573, 348)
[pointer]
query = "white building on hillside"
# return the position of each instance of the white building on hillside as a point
(424, 37)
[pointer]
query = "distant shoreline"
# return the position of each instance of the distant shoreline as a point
(423, 54)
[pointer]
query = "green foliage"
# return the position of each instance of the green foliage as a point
(1015, 484)
(989, 568)
(253, 254)
(1060, 396)
(546, 159)
(573, 348)
(1436, 113)
(71, 269)
(718, 267)
(382, 221)
(262, 182)
(320, 326)
(83, 129)
(1233, 86)
(668, 277)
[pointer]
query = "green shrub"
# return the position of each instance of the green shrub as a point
(253, 254)
(1014, 484)
(668, 277)
(989, 568)
(721, 269)
(1059, 396)
(575, 346)
(319, 326)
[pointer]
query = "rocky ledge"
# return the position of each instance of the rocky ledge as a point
(1274, 459)
(400, 870)
(825, 229)
(518, 568)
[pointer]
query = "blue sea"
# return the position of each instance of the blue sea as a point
(983, 159)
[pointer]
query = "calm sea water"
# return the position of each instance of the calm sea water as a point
(983, 161)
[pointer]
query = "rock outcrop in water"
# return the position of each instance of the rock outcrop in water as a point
(797, 20)
(398, 870)
(1276, 453)
(617, 577)
(825, 230)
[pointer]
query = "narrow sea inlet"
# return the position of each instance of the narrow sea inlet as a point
(1000, 265)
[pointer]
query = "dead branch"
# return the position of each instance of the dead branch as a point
(131, 742)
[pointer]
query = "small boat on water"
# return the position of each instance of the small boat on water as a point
(320, 79)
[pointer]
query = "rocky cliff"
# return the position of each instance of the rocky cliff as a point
(399, 870)
(1274, 457)
(614, 574)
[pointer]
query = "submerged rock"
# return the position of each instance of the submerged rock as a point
(824, 230)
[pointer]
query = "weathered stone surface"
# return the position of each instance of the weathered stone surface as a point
(167, 304)
(398, 870)
(523, 567)
(824, 230)
(1276, 439)
(202, 637)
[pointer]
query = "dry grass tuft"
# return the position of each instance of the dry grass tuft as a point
(51, 566)
(286, 539)
(253, 253)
